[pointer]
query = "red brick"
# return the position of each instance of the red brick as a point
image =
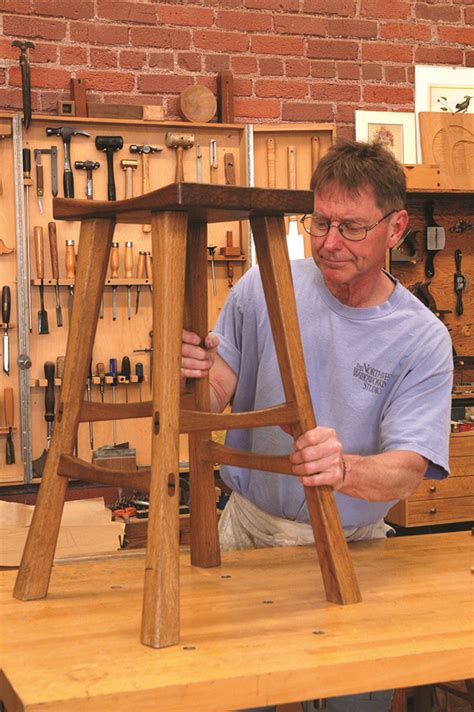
(333, 49)
(131, 59)
(46, 101)
(72, 54)
(256, 108)
(191, 16)
(244, 65)
(122, 11)
(323, 70)
(270, 66)
(387, 94)
(157, 37)
(395, 75)
(371, 71)
(348, 70)
(314, 111)
(161, 60)
(191, 61)
(274, 88)
(244, 21)
(108, 81)
(470, 59)
(221, 41)
(217, 62)
(287, 5)
(9, 52)
(42, 77)
(271, 44)
(405, 31)
(19, 7)
(381, 51)
(469, 15)
(438, 13)
(243, 87)
(3, 75)
(103, 58)
(341, 8)
(351, 28)
(458, 35)
(438, 55)
(99, 33)
(10, 98)
(297, 67)
(345, 113)
(335, 92)
(44, 53)
(381, 8)
(83, 10)
(346, 131)
(32, 27)
(168, 83)
(290, 24)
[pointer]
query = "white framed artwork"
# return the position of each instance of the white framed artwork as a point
(395, 130)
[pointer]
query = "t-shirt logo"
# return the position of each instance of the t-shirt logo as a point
(373, 379)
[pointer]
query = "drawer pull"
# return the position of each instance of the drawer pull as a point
(433, 510)
(433, 488)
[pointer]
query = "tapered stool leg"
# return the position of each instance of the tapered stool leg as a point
(94, 248)
(270, 241)
(160, 619)
(205, 550)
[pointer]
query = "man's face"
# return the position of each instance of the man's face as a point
(348, 264)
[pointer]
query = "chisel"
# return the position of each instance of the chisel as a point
(49, 400)
(70, 272)
(149, 270)
(141, 271)
(9, 419)
(114, 268)
(128, 267)
(53, 248)
(6, 306)
(42, 314)
(113, 372)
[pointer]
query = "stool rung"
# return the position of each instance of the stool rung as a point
(92, 412)
(194, 420)
(217, 453)
(75, 468)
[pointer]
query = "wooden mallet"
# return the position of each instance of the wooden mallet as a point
(180, 142)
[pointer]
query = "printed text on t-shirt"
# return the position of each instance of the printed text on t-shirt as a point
(373, 379)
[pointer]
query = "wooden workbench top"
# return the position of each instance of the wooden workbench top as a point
(255, 631)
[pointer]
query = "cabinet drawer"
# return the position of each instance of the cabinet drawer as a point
(462, 465)
(441, 511)
(452, 487)
(461, 444)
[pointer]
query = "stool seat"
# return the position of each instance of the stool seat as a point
(179, 214)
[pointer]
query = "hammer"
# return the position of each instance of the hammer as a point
(129, 165)
(87, 166)
(180, 142)
(66, 133)
(109, 144)
(144, 152)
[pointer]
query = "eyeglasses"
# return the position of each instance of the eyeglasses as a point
(319, 226)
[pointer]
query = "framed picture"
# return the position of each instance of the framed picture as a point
(394, 130)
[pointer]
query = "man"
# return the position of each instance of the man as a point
(379, 366)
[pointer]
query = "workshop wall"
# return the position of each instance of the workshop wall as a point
(292, 60)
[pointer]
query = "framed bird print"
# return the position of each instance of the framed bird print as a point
(395, 130)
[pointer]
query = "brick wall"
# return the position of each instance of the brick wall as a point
(292, 60)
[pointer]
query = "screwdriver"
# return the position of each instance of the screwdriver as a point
(101, 374)
(114, 268)
(140, 375)
(140, 275)
(113, 373)
(125, 372)
(128, 264)
(89, 398)
(9, 421)
(212, 249)
(49, 400)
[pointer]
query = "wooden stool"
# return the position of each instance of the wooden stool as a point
(179, 214)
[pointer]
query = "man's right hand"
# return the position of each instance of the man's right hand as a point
(197, 358)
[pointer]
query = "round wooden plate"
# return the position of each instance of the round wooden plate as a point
(197, 103)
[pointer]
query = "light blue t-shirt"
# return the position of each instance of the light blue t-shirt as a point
(381, 376)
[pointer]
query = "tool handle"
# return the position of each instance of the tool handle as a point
(8, 405)
(38, 239)
(60, 367)
(6, 305)
(139, 372)
(292, 167)
(126, 368)
(114, 260)
(26, 154)
(315, 152)
(458, 259)
(429, 264)
(128, 182)
(113, 369)
(148, 265)
(70, 259)
(128, 262)
(145, 173)
(53, 248)
(141, 265)
(179, 177)
(49, 392)
(68, 183)
(271, 163)
(39, 181)
(100, 367)
(110, 176)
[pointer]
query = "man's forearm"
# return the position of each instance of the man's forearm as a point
(378, 478)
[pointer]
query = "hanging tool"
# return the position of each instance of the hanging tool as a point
(89, 398)
(141, 271)
(128, 267)
(212, 250)
(113, 373)
(198, 163)
(213, 165)
(140, 376)
(435, 238)
(25, 78)
(315, 152)
(126, 372)
(109, 144)
(53, 152)
(27, 183)
(88, 167)
(39, 180)
(149, 270)
(114, 268)
(53, 248)
(70, 272)
(66, 133)
(271, 173)
(145, 151)
(60, 367)
(49, 400)
(6, 308)
(460, 282)
(229, 168)
(9, 421)
(148, 351)
(294, 239)
(100, 368)
(42, 314)
(180, 142)
(128, 165)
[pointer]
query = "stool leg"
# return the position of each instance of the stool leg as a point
(339, 578)
(94, 248)
(205, 550)
(160, 619)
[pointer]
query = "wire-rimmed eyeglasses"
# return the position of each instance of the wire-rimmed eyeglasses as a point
(319, 226)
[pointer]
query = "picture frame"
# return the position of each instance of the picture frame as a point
(394, 129)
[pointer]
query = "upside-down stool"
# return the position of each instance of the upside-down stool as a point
(179, 214)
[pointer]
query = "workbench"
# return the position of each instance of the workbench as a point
(258, 630)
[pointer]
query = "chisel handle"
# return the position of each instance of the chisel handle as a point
(39, 181)
(145, 173)
(148, 265)
(38, 239)
(26, 154)
(70, 259)
(315, 152)
(49, 392)
(114, 260)
(6, 305)
(126, 368)
(128, 262)
(139, 372)
(271, 163)
(141, 268)
(8, 406)
(292, 167)
(53, 248)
